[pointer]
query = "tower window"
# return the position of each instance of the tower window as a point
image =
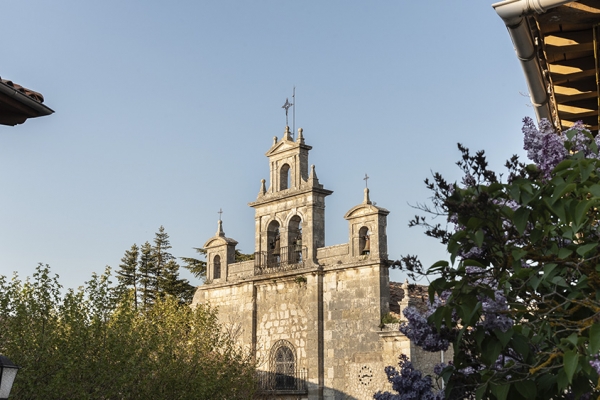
(273, 244)
(284, 177)
(364, 241)
(217, 267)
(295, 247)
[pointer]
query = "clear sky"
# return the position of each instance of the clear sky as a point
(164, 111)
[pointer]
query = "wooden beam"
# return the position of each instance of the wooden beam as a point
(564, 79)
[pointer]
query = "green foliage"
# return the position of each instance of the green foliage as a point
(388, 318)
(198, 267)
(93, 344)
(534, 241)
(239, 256)
(152, 272)
(195, 266)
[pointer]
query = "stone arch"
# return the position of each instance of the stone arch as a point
(364, 241)
(283, 365)
(285, 175)
(217, 267)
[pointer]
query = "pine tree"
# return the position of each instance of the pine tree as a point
(161, 256)
(167, 270)
(175, 286)
(195, 266)
(128, 274)
(147, 270)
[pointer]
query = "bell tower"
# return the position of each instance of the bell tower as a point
(290, 213)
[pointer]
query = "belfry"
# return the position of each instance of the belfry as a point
(310, 313)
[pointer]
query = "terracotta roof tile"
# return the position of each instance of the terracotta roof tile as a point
(27, 92)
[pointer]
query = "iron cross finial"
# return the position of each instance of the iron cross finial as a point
(220, 212)
(366, 179)
(287, 106)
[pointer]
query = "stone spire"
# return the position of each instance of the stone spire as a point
(300, 138)
(287, 134)
(263, 188)
(367, 200)
(220, 232)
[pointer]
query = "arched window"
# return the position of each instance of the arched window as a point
(364, 241)
(273, 244)
(217, 267)
(283, 365)
(295, 247)
(284, 177)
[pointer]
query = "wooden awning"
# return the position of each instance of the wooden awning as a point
(569, 59)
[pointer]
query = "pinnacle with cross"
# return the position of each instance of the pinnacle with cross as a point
(287, 106)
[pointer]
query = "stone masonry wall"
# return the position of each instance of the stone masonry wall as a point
(234, 303)
(353, 349)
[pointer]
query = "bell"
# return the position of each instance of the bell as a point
(367, 248)
(299, 244)
(276, 250)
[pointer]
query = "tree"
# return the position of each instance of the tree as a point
(128, 273)
(520, 298)
(175, 286)
(195, 266)
(93, 344)
(148, 280)
(161, 254)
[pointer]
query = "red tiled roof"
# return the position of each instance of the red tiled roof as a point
(27, 92)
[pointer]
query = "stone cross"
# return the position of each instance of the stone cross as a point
(287, 106)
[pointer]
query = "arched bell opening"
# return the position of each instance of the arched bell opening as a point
(294, 240)
(273, 244)
(217, 267)
(364, 241)
(284, 177)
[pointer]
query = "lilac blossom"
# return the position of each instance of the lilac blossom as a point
(421, 332)
(544, 147)
(409, 383)
(494, 311)
(547, 148)
(438, 368)
(595, 363)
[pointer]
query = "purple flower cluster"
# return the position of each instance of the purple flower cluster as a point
(495, 311)
(595, 363)
(421, 332)
(544, 147)
(438, 368)
(409, 383)
(547, 148)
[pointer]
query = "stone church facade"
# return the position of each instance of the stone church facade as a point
(311, 314)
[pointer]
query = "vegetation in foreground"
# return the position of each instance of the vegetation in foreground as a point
(519, 300)
(94, 343)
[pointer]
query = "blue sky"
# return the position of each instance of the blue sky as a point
(164, 111)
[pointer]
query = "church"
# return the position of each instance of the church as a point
(313, 315)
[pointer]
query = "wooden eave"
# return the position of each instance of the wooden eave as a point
(568, 54)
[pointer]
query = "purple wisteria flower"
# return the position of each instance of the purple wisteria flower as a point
(409, 383)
